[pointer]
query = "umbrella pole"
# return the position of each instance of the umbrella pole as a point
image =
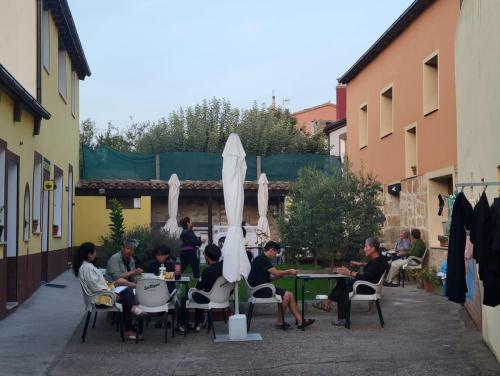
(236, 298)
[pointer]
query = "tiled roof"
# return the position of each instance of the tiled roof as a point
(315, 108)
(333, 126)
(163, 185)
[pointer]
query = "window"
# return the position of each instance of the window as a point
(2, 189)
(26, 222)
(37, 194)
(411, 150)
(386, 112)
(363, 126)
(58, 202)
(73, 92)
(61, 69)
(431, 84)
(126, 202)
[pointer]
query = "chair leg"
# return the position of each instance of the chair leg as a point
(402, 277)
(186, 322)
(95, 319)
(348, 319)
(121, 319)
(226, 311)
(165, 321)
(87, 320)
(211, 322)
(377, 302)
(173, 323)
(249, 318)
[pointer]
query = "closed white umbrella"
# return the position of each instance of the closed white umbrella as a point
(263, 230)
(234, 169)
(171, 226)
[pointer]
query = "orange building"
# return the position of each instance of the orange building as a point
(313, 119)
(401, 116)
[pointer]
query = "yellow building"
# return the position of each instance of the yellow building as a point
(41, 63)
(478, 117)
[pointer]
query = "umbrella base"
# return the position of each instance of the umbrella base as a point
(249, 337)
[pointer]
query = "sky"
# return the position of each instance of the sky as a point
(150, 57)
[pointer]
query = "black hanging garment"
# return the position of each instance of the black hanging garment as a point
(491, 280)
(461, 219)
(480, 234)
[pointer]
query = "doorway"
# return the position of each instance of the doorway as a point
(12, 228)
(45, 229)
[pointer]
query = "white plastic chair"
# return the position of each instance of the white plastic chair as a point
(218, 298)
(89, 298)
(252, 300)
(412, 263)
(354, 296)
(153, 296)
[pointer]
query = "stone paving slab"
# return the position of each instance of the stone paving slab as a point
(424, 335)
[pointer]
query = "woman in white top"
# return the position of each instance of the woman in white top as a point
(93, 281)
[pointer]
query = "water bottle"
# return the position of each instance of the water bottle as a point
(177, 270)
(162, 269)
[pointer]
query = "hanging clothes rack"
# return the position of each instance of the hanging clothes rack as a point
(479, 184)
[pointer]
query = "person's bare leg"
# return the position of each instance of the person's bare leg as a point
(284, 306)
(294, 309)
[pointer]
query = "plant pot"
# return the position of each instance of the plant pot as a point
(429, 286)
(55, 230)
(34, 226)
(443, 244)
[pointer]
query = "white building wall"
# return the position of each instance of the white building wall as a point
(477, 59)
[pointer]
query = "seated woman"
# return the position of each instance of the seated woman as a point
(92, 278)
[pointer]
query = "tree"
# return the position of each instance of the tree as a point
(116, 227)
(88, 132)
(205, 127)
(331, 213)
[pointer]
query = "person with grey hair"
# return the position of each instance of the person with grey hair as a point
(121, 266)
(372, 272)
(403, 243)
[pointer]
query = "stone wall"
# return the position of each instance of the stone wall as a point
(406, 211)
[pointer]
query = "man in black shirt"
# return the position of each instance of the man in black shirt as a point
(372, 272)
(263, 271)
(207, 281)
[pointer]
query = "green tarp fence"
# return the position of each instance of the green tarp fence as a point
(105, 163)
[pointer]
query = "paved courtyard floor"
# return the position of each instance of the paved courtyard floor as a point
(424, 335)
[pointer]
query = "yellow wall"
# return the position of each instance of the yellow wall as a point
(18, 41)
(57, 142)
(478, 114)
(92, 217)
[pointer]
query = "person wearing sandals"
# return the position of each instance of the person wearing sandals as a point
(208, 278)
(92, 278)
(263, 271)
(372, 272)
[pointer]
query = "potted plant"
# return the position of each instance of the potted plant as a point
(34, 226)
(443, 241)
(55, 230)
(416, 274)
(430, 280)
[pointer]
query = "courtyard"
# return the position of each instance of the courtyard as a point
(424, 334)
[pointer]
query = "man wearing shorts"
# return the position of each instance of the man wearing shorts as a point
(264, 272)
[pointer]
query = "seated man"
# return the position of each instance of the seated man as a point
(207, 281)
(403, 243)
(263, 272)
(121, 265)
(372, 272)
(417, 249)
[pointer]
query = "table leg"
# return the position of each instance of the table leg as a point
(303, 304)
(296, 291)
